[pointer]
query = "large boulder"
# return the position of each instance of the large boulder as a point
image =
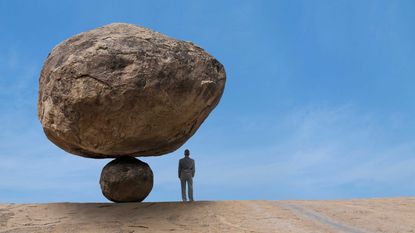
(126, 90)
(126, 179)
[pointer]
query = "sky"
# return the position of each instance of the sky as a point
(318, 104)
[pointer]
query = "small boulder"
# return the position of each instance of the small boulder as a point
(126, 179)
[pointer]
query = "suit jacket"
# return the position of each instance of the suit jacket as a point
(186, 167)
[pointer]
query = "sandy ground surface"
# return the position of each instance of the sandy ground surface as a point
(359, 215)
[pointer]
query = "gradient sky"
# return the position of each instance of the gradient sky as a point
(318, 104)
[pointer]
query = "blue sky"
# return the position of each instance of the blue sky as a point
(319, 100)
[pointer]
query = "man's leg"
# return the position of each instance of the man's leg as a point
(190, 191)
(183, 184)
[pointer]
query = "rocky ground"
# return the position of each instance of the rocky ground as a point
(359, 215)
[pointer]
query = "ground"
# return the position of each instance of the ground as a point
(357, 215)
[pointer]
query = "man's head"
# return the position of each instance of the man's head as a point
(186, 153)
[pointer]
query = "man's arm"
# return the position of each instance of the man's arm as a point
(180, 168)
(193, 169)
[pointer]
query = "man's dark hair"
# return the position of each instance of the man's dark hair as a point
(187, 152)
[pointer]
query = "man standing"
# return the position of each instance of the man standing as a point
(186, 174)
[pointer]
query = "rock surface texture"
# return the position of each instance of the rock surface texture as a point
(125, 90)
(126, 179)
(395, 215)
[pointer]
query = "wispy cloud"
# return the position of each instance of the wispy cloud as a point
(325, 149)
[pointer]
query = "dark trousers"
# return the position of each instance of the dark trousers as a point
(189, 180)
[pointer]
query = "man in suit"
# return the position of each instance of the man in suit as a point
(186, 174)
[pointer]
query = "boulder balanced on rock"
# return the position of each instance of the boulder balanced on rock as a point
(125, 90)
(120, 91)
